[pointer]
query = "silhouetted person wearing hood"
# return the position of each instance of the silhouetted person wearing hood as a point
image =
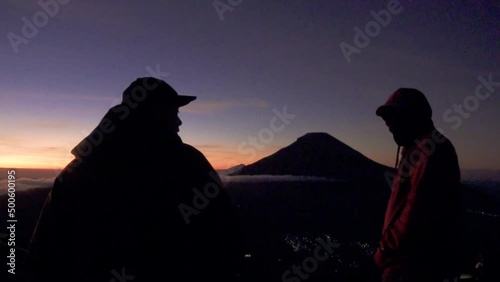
(419, 236)
(136, 203)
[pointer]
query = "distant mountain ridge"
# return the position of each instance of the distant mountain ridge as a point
(317, 154)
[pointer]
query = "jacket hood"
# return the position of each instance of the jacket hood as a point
(121, 135)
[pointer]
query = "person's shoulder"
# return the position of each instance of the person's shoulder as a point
(189, 149)
(443, 143)
(191, 153)
(199, 163)
(76, 173)
(439, 149)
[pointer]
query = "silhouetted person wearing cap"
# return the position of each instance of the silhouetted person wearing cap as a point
(136, 203)
(419, 236)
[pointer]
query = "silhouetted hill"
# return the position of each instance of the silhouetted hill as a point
(318, 154)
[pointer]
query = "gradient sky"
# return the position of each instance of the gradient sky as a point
(262, 55)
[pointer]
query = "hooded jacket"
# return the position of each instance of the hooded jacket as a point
(135, 204)
(420, 227)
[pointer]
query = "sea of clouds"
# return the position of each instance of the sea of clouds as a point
(26, 183)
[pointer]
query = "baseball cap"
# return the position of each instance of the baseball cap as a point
(151, 90)
(406, 100)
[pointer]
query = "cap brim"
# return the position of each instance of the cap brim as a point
(386, 110)
(184, 100)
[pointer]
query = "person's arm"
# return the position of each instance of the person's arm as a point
(426, 205)
(218, 222)
(39, 250)
(56, 243)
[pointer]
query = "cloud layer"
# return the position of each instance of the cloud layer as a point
(23, 184)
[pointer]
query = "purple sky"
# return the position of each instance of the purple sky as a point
(243, 63)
